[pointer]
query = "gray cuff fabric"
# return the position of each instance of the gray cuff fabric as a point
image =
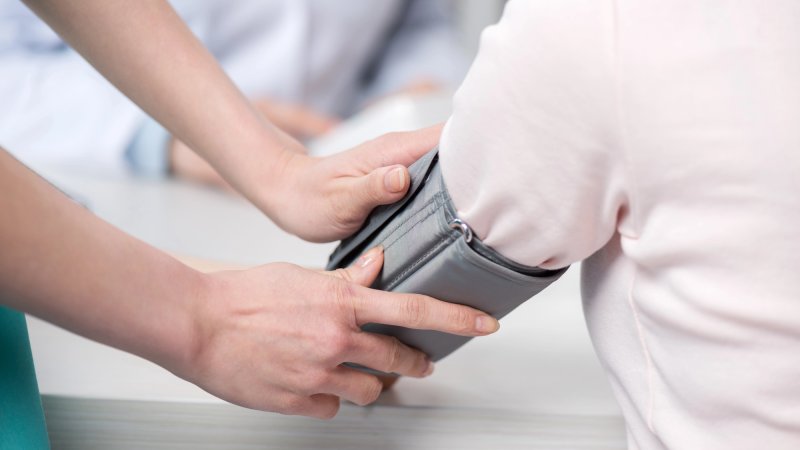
(147, 155)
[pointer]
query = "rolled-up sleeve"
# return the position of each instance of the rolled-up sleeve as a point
(527, 155)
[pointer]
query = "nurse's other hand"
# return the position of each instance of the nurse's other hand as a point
(274, 338)
(299, 121)
(325, 199)
(188, 165)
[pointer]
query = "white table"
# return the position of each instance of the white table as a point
(535, 384)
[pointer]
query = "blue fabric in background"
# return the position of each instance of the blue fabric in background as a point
(147, 154)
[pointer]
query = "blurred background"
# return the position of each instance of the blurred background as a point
(308, 65)
(332, 74)
(473, 16)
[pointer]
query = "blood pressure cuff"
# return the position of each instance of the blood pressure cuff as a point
(428, 250)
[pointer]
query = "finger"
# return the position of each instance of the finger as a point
(382, 186)
(401, 148)
(355, 386)
(387, 381)
(321, 406)
(364, 270)
(387, 354)
(420, 312)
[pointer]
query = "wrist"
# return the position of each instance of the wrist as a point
(268, 197)
(257, 166)
(274, 193)
(179, 323)
(205, 313)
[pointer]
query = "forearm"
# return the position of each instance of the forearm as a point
(148, 53)
(145, 50)
(61, 263)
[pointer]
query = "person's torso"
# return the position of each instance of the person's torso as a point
(701, 279)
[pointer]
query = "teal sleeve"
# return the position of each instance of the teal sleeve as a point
(22, 422)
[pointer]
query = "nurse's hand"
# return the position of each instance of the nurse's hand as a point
(325, 199)
(299, 121)
(274, 338)
(316, 199)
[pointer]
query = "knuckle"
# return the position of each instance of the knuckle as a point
(329, 411)
(343, 292)
(394, 355)
(344, 274)
(339, 343)
(342, 212)
(371, 392)
(460, 319)
(376, 194)
(318, 381)
(420, 363)
(293, 405)
(415, 310)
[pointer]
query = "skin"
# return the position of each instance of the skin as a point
(145, 50)
(270, 338)
(298, 121)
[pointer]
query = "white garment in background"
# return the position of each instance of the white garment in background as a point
(660, 141)
(56, 108)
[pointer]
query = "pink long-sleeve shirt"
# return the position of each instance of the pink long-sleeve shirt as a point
(658, 142)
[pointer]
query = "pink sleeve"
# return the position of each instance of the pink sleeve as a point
(527, 155)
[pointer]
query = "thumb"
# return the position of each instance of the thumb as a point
(382, 186)
(365, 269)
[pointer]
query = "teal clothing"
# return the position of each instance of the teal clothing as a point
(21, 416)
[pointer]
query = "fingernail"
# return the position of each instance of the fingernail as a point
(429, 369)
(486, 324)
(369, 257)
(395, 180)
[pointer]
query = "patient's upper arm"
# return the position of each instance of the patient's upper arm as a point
(531, 155)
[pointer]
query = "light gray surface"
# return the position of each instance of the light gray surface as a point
(119, 424)
(187, 219)
(538, 374)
